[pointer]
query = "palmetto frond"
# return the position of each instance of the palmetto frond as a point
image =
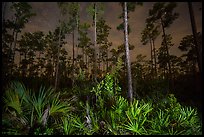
(58, 107)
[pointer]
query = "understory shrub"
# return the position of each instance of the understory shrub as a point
(47, 112)
(32, 112)
(173, 119)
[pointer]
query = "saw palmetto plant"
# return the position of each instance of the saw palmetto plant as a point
(30, 109)
(45, 112)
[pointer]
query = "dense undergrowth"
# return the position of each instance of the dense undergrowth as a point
(94, 110)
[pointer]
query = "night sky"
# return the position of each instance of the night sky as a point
(48, 16)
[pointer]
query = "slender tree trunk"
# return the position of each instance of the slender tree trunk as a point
(53, 70)
(57, 68)
(155, 59)
(86, 62)
(107, 61)
(130, 90)
(195, 36)
(168, 59)
(104, 67)
(77, 32)
(4, 4)
(95, 45)
(150, 41)
(73, 59)
(73, 48)
(99, 61)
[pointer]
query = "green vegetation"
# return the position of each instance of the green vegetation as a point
(106, 112)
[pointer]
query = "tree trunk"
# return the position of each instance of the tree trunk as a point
(53, 70)
(95, 45)
(57, 68)
(73, 48)
(169, 76)
(99, 61)
(4, 4)
(104, 67)
(77, 33)
(130, 90)
(194, 30)
(83, 56)
(151, 45)
(155, 59)
(86, 62)
(73, 59)
(107, 61)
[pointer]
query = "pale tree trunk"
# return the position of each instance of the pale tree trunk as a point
(130, 90)
(95, 45)
(73, 49)
(57, 68)
(150, 41)
(107, 61)
(53, 70)
(73, 56)
(77, 32)
(99, 61)
(104, 67)
(155, 60)
(86, 62)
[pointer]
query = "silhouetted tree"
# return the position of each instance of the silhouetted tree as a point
(102, 40)
(198, 46)
(149, 34)
(163, 13)
(95, 10)
(187, 45)
(22, 14)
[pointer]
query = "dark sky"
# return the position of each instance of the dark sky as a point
(48, 16)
